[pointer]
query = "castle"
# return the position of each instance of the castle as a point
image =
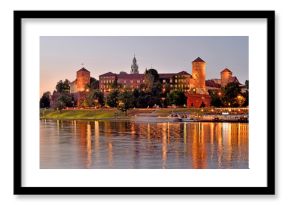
(194, 85)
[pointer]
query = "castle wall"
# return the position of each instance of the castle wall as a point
(195, 100)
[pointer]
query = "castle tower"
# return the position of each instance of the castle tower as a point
(83, 79)
(198, 76)
(198, 95)
(134, 66)
(226, 77)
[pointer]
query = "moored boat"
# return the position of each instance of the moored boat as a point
(153, 118)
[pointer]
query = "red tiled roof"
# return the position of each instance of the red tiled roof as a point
(183, 73)
(127, 76)
(198, 60)
(226, 70)
(83, 69)
(212, 83)
(166, 75)
(108, 74)
(235, 80)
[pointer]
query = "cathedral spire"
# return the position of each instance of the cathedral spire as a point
(134, 66)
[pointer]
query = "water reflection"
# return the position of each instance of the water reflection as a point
(106, 144)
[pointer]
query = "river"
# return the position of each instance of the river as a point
(79, 144)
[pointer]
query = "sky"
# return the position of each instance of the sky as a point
(62, 56)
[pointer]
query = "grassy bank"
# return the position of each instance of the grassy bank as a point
(80, 114)
(103, 114)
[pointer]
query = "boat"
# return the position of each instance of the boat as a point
(153, 118)
(189, 119)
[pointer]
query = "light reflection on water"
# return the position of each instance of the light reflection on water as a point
(117, 145)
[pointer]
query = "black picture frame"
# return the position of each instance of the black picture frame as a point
(19, 189)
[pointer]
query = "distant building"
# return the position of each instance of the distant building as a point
(134, 66)
(106, 81)
(198, 95)
(227, 77)
(197, 81)
(194, 85)
(79, 86)
(130, 81)
(81, 81)
(171, 81)
(175, 81)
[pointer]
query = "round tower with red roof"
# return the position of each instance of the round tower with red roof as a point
(198, 95)
(198, 76)
(226, 77)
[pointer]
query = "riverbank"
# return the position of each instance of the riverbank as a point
(204, 114)
(78, 114)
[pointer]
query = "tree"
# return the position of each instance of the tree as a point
(176, 98)
(231, 91)
(125, 101)
(64, 100)
(247, 84)
(45, 100)
(215, 99)
(240, 100)
(246, 96)
(112, 98)
(151, 78)
(143, 100)
(95, 98)
(63, 86)
(94, 83)
(156, 89)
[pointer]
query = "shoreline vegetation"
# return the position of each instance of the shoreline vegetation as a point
(199, 114)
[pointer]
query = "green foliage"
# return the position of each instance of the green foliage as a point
(125, 101)
(216, 100)
(176, 98)
(85, 103)
(247, 84)
(246, 96)
(64, 100)
(112, 98)
(79, 114)
(94, 83)
(151, 79)
(63, 86)
(94, 98)
(231, 91)
(45, 100)
(98, 97)
(154, 73)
